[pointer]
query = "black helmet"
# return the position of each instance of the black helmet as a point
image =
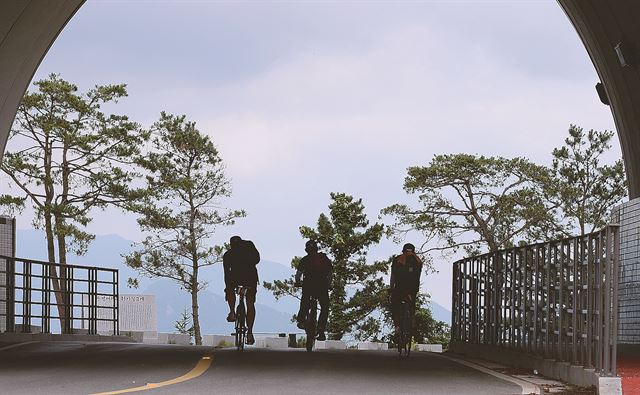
(408, 247)
(311, 246)
(234, 241)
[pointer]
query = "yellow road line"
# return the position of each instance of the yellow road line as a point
(203, 364)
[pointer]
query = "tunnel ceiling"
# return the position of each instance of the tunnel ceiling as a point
(609, 30)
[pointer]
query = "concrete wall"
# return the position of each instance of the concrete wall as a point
(603, 25)
(628, 216)
(7, 248)
(29, 27)
(27, 30)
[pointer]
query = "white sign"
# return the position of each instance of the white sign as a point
(136, 313)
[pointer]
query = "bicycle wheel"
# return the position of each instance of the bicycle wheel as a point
(240, 326)
(311, 326)
(406, 331)
(402, 335)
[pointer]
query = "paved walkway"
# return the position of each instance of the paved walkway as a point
(77, 368)
(629, 368)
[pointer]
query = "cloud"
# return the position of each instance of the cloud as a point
(409, 89)
(305, 99)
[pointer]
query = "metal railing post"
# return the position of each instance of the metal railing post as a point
(557, 299)
(615, 280)
(11, 294)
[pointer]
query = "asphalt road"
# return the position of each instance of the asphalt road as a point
(86, 368)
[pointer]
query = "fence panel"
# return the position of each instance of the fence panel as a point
(556, 299)
(52, 298)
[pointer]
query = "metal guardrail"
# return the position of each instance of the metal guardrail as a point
(54, 298)
(557, 299)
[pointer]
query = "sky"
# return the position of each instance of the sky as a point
(311, 97)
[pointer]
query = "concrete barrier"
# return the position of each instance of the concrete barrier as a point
(609, 386)
(372, 346)
(10, 337)
(146, 337)
(272, 342)
(429, 347)
(218, 340)
(137, 336)
(174, 338)
(19, 328)
(576, 375)
(330, 345)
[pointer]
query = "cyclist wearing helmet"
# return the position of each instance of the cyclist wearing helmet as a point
(405, 281)
(316, 269)
(239, 264)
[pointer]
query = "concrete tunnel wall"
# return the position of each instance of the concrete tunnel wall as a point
(29, 27)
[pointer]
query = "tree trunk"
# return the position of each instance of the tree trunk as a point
(58, 290)
(62, 256)
(195, 316)
(62, 246)
(193, 246)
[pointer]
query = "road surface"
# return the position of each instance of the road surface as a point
(89, 368)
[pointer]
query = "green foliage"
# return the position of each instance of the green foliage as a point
(428, 330)
(185, 184)
(301, 342)
(10, 205)
(183, 324)
(474, 202)
(345, 236)
(587, 189)
(69, 157)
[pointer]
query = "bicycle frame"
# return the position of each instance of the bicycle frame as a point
(241, 315)
(312, 323)
(405, 335)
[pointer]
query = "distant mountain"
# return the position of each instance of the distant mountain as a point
(106, 250)
(440, 313)
(213, 309)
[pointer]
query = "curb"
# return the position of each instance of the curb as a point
(527, 387)
(609, 386)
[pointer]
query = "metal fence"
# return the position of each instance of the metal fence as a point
(557, 299)
(52, 298)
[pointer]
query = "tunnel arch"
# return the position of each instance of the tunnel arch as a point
(608, 30)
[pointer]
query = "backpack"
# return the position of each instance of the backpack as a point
(318, 265)
(406, 271)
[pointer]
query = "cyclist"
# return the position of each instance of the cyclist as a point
(405, 282)
(316, 269)
(239, 264)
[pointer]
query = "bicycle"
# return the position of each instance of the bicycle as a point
(405, 336)
(311, 324)
(241, 318)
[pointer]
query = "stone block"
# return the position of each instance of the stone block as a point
(609, 386)
(137, 336)
(429, 347)
(150, 340)
(219, 340)
(272, 342)
(330, 345)
(174, 338)
(372, 346)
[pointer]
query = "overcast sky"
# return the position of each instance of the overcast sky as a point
(306, 98)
